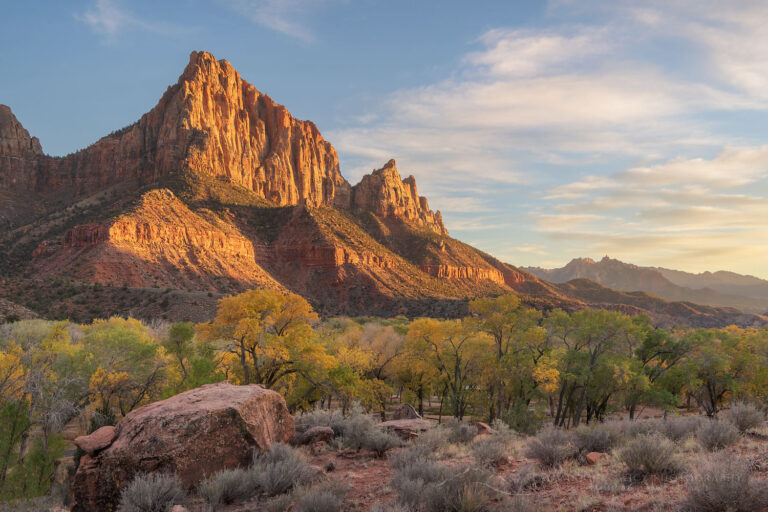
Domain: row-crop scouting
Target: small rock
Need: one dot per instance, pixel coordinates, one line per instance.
(405, 412)
(594, 457)
(314, 435)
(406, 429)
(179, 508)
(96, 440)
(483, 428)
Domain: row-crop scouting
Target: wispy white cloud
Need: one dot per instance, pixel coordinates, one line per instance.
(560, 109)
(109, 18)
(289, 17)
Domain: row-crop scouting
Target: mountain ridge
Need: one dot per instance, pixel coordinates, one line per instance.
(629, 277)
(218, 189)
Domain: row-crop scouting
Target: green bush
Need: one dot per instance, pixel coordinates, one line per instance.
(524, 420)
(152, 492)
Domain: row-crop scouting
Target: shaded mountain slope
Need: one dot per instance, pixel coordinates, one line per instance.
(627, 277)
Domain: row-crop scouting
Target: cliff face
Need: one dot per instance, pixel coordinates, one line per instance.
(211, 121)
(386, 195)
(19, 152)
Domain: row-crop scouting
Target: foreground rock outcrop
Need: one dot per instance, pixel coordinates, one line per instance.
(192, 434)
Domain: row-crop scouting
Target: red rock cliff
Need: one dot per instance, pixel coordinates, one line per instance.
(211, 121)
(388, 196)
(19, 152)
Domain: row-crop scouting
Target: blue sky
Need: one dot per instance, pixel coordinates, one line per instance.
(542, 130)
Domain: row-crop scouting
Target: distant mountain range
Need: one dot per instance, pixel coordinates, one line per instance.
(720, 289)
(219, 189)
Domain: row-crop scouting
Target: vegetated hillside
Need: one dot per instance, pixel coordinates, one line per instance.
(734, 291)
(218, 189)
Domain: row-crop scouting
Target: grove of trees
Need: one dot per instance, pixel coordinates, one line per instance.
(503, 361)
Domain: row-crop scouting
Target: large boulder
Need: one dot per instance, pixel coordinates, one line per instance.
(193, 435)
(405, 412)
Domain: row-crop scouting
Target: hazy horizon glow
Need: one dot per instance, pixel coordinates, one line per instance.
(543, 131)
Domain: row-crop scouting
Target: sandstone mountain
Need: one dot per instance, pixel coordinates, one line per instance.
(218, 189)
(720, 289)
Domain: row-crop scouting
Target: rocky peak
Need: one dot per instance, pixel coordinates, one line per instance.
(386, 195)
(211, 121)
(17, 149)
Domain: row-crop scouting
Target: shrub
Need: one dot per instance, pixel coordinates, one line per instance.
(152, 492)
(490, 450)
(321, 498)
(650, 455)
(380, 442)
(460, 431)
(551, 447)
(355, 428)
(597, 438)
(461, 490)
(281, 469)
(745, 416)
(321, 418)
(715, 435)
(636, 428)
(725, 483)
(524, 420)
(228, 486)
(680, 428)
(279, 503)
(527, 478)
(432, 440)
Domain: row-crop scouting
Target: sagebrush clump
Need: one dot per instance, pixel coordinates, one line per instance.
(281, 469)
(725, 483)
(598, 438)
(228, 486)
(380, 442)
(745, 416)
(551, 447)
(650, 455)
(490, 450)
(460, 431)
(680, 428)
(717, 434)
(424, 484)
(327, 497)
(152, 492)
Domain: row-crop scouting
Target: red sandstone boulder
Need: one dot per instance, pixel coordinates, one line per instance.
(483, 428)
(405, 412)
(314, 435)
(193, 434)
(97, 440)
(594, 457)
